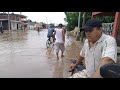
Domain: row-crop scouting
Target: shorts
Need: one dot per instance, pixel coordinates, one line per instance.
(59, 46)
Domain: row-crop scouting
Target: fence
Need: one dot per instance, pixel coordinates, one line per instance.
(107, 28)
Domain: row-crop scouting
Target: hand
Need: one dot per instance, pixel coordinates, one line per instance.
(72, 67)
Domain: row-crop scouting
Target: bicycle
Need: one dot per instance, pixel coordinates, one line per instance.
(50, 42)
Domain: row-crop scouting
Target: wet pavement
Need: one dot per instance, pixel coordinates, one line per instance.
(23, 54)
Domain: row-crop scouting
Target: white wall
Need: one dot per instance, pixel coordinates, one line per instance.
(13, 26)
(31, 27)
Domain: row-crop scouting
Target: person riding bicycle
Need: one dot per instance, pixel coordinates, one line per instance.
(51, 32)
(99, 49)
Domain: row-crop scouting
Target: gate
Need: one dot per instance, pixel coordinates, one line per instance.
(107, 28)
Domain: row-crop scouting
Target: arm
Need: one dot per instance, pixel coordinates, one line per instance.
(63, 35)
(79, 61)
(80, 58)
(54, 33)
(104, 61)
(109, 55)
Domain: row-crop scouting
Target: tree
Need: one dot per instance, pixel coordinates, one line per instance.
(72, 19)
(105, 19)
(44, 25)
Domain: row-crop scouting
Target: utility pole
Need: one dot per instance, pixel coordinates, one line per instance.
(78, 35)
(83, 23)
(8, 21)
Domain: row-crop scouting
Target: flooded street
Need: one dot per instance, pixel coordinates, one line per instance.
(23, 54)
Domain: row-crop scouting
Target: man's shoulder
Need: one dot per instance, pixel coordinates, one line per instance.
(86, 41)
(108, 38)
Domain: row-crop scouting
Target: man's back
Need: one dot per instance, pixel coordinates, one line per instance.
(59, 35)
(50, 32)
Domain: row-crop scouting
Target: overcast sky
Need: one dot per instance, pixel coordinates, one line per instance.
(47, 17)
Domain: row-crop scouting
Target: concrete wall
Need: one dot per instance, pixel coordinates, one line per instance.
(15, 26)
(31, 27)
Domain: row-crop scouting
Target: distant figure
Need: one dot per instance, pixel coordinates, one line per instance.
(38, 29)
(1, 29)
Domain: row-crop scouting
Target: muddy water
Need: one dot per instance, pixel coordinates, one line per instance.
(23, 54)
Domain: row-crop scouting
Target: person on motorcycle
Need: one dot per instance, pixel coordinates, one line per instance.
(99, 49)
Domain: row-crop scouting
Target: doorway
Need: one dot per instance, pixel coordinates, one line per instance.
(17, 27)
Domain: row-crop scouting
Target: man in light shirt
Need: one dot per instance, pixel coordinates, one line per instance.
(99, 49)
(60, 40)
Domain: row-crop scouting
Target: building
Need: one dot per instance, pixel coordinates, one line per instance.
(38, 25)
(31, 25)
(12, 21)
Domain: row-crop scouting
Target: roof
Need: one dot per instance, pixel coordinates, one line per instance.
(22, 16)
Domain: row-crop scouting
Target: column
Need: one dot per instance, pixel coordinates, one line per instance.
(116, 24)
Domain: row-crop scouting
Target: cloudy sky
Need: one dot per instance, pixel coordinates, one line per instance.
(47, 17)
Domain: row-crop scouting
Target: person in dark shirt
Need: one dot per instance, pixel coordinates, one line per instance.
(51, 32)
(1, 29)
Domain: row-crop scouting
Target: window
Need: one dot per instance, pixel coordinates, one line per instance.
(17, 18)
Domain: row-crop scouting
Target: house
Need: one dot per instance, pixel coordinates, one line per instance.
(12, 21)
(31, 24)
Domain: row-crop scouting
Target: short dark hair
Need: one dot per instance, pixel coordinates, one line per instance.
(60, 25)
(51, 26)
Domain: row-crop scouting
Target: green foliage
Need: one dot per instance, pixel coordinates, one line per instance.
(105, 19)
(72, 19)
